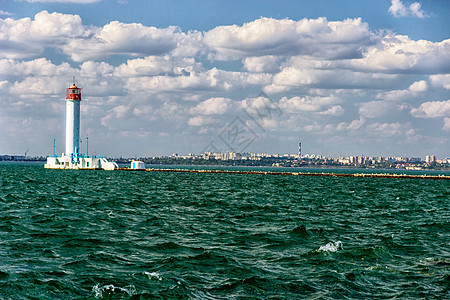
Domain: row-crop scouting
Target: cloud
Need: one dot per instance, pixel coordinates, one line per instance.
(376, 109)
(113, 116)
(198, 121)
(132, 39)
(398, 9)
(268, 63)
(261, 106)
(416, 10)
(400, 54)
(271, 37)
(92, 68)
(298, 104)
(293, 77)
(432, 109)
(413, 91)
(264, 45)
(441, 81)
(35, 67)
(34, 88)
(5, 13)
(56, 25)
(386, 130)
(28, 38)
(335, 110)
(320, 105)
(352, 126)
(418, 86)
(446, 124)
(159, 65)
(207, 80)
(213, 106)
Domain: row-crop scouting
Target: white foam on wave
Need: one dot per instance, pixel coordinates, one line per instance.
(153, 275)
(331, 247)
(109, 289)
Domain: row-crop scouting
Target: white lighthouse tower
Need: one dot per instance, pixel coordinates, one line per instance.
(73, 100)
(73, 158)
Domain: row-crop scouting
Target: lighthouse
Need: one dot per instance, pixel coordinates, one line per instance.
(73, 158)
(73, 100)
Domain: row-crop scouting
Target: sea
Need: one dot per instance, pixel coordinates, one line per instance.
(71, 234)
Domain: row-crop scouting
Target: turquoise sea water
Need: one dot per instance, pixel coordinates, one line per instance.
(67, 234)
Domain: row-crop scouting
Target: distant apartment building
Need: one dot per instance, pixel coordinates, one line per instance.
(353, 159)
(430, 159)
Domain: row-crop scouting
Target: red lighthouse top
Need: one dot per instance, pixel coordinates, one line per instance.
(73, 92)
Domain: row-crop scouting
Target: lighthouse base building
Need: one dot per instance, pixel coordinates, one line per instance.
(82, 163)
(73, 159)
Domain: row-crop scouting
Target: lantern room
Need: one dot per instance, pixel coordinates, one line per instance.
(73, 93)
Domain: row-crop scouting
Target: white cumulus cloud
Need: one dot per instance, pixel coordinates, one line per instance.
(27, 38)
(35, 67)
(432, 109)
(335, 110)
(292, 77)
(321, 105)
(398, 9)
(413, 91)
(5, 13)
(399, 53)
(158, 65)
(314, 37)
(200, 121)
(118, 38)
(268, 63)
(213, 106)
(390, 129)
(441, 81)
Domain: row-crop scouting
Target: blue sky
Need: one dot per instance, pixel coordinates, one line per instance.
(158, 77)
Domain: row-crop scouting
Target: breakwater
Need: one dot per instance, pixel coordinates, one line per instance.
(322, 174)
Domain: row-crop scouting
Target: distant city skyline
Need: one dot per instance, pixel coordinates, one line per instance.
(230, 155)
(351, 158)
(345, 78)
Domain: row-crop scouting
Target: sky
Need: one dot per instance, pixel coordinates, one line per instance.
(343, 77)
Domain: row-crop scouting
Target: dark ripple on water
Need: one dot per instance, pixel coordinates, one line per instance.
(120, 235)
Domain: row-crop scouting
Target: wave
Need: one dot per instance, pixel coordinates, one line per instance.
(331, 247)
(109, 290)
(152, 275)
